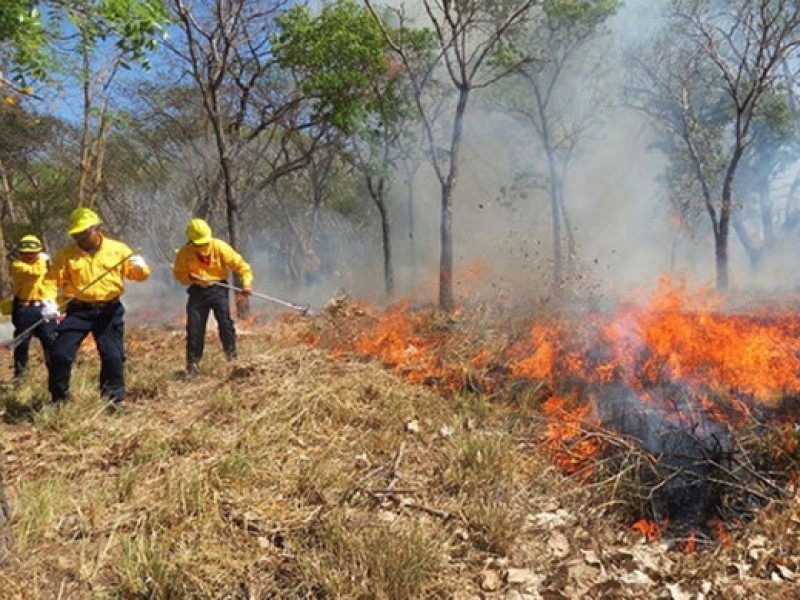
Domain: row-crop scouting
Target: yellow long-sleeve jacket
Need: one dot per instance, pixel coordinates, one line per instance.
(74, 270)
(209, 263)
(29, 280)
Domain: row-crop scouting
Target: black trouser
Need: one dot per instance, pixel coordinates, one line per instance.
(24, 317)
(201, 301)
(107, 326)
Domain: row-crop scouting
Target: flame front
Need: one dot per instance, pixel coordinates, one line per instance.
(687, 356)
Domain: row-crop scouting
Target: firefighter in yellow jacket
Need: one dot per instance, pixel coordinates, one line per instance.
(201, 263)
(31, 294)
(90, 273)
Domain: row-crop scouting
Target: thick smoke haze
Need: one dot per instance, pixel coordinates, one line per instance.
(615, 194)
(503, 245)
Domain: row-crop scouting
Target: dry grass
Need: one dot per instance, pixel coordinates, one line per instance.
(295, 474)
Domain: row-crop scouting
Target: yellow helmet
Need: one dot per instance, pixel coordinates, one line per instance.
(30, 243)
(82, 219)
(198, 232)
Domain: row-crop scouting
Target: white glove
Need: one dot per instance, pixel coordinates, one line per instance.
(45, 256)
(137, 260)
(50, 310)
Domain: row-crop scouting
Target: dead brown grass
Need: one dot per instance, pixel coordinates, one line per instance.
(297, 474)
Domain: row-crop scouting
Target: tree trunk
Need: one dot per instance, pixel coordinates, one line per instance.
(446, 299)
(232, 213)
(555, 210)
(721, 239)
(386, 232)
(553, 191)
(377, 190)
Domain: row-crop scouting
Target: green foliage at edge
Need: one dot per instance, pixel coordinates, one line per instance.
(27, 36)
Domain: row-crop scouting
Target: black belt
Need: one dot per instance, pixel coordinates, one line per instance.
(206, 285)
(19, 302)
(81, 305)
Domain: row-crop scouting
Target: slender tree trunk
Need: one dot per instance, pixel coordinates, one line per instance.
(378, 193)
(572, 251)
(446, 298)
(721, 256)
(85, 157)
(232, 214)
(231, 202)
(553, 191)
(555, 210)
(721, 240)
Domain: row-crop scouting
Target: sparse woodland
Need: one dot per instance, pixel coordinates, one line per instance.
(479, 404)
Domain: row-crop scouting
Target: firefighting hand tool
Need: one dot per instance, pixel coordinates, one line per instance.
(302, 309)
(60, 308)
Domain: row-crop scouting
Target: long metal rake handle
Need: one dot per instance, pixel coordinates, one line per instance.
(302, 309)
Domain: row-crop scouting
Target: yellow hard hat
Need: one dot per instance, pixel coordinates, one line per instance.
(30, 243)
(198, 232)
(81, 219)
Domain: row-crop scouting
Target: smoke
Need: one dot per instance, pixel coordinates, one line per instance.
(619, 215)
(622, 220)
(503, 241)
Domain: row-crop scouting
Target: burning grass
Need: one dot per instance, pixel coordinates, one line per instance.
(315, 472)
(675, 407)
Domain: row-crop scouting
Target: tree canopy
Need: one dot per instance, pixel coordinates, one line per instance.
(30, 31)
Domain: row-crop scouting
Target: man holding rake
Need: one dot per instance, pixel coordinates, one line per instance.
(91, 274)
(202, 263)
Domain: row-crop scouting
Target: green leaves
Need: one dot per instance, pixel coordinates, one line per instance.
(337, 58)
(581, 11)
(135, 23)
(28, 39)
(21, 37)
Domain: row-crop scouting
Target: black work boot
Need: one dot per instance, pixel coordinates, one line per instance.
(191, 370)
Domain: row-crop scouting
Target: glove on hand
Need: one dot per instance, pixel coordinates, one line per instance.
(50, 310)
(137, 260)
(45, 256)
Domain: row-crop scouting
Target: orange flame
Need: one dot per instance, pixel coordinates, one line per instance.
(727, 364)
(651, 530)
(691, 544)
